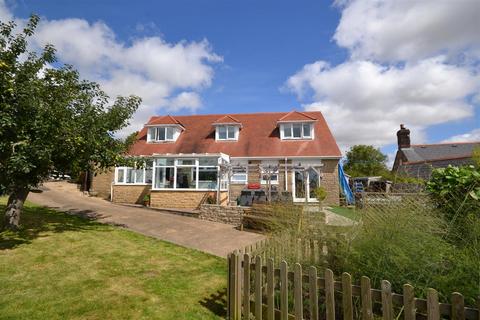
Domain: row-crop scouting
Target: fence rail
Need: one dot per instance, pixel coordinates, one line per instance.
(264, 291)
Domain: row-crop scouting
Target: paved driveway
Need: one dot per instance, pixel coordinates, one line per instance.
(215, 238)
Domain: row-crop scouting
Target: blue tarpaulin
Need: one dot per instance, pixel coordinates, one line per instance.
(344, 187)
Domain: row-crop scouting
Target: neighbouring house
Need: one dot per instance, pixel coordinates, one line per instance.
(192, 157)
(418, 160)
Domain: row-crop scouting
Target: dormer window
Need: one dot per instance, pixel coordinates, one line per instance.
(227, 132)
(163, 134)
(300, 130)
(227, 128)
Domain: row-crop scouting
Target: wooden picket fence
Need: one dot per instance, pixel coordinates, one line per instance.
(259, 291)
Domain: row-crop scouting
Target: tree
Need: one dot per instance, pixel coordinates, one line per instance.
(363, 160)
(50, 119)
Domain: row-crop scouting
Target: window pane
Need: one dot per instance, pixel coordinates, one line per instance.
(139, 176)
(120, 175)
(165, 162)
(231, 132)
(306, 130)
(160, 133)
(169, 133)
(222, 132)
(186, 162)
(287, 131)
(130, 175)
(148, 175)
(207, 178)
(186, 178)
(208, 161)
(297, 130)
(164, 177)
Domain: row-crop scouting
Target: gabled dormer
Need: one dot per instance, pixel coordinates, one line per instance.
(227, 128)
(163, 129)
(297, 126)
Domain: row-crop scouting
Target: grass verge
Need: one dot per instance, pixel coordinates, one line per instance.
(60, 266)
(346, 212)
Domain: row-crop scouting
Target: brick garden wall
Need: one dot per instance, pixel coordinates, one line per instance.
(132, 194)
(223, 214)
(101, 184)
(181, 199)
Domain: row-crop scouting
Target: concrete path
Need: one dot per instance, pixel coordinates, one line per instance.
(211, 237)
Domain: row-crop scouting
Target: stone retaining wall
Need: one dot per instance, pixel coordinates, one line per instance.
(223, 214)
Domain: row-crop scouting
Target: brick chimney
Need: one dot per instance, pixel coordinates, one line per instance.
(403, 137)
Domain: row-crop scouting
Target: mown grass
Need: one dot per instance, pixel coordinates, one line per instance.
(350, 213)
(60, 266)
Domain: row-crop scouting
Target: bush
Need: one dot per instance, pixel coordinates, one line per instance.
(456, 192)
(403, 244)
(320, 193)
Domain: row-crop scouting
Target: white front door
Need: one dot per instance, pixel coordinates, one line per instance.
(304, 183)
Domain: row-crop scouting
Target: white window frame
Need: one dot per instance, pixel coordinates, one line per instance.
(242, 181)
(125, 170)
(196, 165)
(227, 127)
(153, 133)
(272, 163)
(289, 128)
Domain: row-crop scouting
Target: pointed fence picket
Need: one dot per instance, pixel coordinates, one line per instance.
(288, 293)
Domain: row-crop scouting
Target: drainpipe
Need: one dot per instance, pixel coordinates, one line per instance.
(111, 191)
(286, 175)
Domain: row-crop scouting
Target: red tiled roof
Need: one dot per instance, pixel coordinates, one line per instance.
(259, 137)
(163, 120)
(226, 119)
(296, 116)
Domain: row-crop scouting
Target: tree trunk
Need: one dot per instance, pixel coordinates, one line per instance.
(14, 207)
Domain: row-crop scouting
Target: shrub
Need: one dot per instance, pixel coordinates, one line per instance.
(320, 193)
(456, 192)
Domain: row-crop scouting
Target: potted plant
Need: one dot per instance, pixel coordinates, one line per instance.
(146, 200)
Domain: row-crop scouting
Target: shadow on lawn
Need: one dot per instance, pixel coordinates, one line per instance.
(217, 303)
(35, 221)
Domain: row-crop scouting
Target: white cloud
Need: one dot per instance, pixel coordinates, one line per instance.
(365, 102)
(408, 30)
(190, 100)
(473, 135)
(148, 67)
(5, 14)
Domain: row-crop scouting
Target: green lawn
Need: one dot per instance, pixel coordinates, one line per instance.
(346, 212)
(65, 267)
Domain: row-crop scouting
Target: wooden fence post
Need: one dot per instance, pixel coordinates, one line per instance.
(433, 308)
(409, 308)
(246, 286)
(237, 313)
(297, 290)
(366, 292)
(283, 290)
(387, 304)
(458, 306)
(329, 294)
(229, 285)
(270, 290)
(258, 287)
(313, 292)
(347, 303)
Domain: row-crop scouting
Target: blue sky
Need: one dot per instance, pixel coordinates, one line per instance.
(256, 56)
